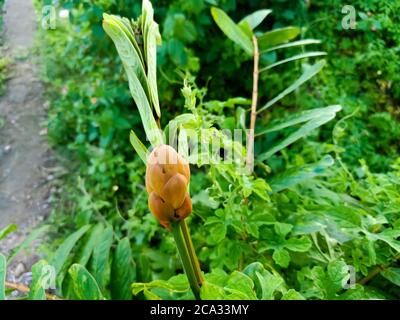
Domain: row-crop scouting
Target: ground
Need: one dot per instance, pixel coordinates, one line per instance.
(25, 157)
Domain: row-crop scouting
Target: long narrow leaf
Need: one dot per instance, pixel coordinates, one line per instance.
(63, 251)
(231, 30)
(300, 174)
(139, 147)
(307, 75)
(32, 236)
(7, 230)
(123, 271)
(299, 117)
(137, 80)
(293, 44)
(294, 58)
(300, 133)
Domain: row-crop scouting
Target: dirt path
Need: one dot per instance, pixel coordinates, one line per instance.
(24, 154)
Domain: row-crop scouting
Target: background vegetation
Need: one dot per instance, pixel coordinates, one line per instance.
(334, 198)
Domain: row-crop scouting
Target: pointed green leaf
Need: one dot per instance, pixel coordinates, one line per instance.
(255, 18)
(392, 274)
(292, 44)
(299, 117)
(307, 75)
(139, 147)
(301, 174)
(7, 230)
(123, 271)
(90, 243)
(277, 36)
(100, 258)
(300, 133)
(231, 30)
(294, 58)
(36, 233)
(63, 251)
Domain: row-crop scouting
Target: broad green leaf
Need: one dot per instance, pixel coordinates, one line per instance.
(177, 283)
(282, 228)
(101, 253)
(307, 75)
(277, 36)
(231, 30)
(242, 283)
(292, 294)
(91, 240)
(302, 244)
(300, 117)
(300, 133)
(294, 58)
(291, 177)
(63, 251)
(269, 284)
(40, 280)
(84, 284)
(293, 44)
(139, 147)
(3, 271)
(281, 257)
(392, 274)
(210, 291)
(123, 271)
(7, 230)
(32, 236)
(255, 18)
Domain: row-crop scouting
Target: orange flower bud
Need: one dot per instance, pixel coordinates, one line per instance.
(167, 178)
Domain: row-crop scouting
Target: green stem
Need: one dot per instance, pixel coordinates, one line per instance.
(185, 257)
(192, 252)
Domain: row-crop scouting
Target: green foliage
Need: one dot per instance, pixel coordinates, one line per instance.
(327, 200)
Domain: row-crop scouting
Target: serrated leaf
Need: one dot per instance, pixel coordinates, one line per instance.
(210, 291)
(281, 257)
(231, 30)
(242, 283)
(307, 75)
(123, 271)
(292, 294)
(302, 244)
(84, 284)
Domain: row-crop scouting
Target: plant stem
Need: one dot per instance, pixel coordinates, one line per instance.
(24, 289)
(192, 252)
(250, 147)
(185, 257)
